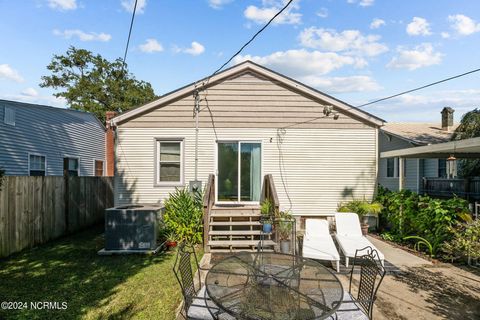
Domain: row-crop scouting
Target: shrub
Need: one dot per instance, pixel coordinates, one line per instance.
(360, 207)
(465, 244)
(183, 215)
(408, 214)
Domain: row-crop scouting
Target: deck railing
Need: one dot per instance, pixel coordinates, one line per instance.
(444, 188)
(208, 202)
(269, 192)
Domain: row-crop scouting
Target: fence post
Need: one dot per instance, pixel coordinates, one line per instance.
(65, 201)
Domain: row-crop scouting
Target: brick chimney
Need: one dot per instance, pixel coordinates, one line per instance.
(110, 144)
(447, 118)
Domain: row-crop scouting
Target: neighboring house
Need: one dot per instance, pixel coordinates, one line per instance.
(40, 140)
(253, 122)
(394, 136)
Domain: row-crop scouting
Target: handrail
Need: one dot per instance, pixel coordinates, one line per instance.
(208, 201)
(269, 191)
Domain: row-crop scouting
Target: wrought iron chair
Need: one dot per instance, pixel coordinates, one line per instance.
(371, 275)
(197, 304)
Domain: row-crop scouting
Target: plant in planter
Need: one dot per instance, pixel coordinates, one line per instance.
(363, 208)
(171, 239)
(284, 229)
(266, 209)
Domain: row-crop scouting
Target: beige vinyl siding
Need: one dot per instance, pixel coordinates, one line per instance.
(242, 102)
(321, 166)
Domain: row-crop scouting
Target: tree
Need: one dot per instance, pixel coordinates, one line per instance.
(469, 128)
(91, 83)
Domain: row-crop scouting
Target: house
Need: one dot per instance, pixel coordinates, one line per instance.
(37, 140)
(252, 122)
(395, 136)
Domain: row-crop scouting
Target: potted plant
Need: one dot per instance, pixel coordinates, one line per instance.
(171, 239)
(266, 209)
(364, 209)
(284, 229)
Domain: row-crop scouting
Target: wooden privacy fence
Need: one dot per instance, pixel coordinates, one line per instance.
(34, 210)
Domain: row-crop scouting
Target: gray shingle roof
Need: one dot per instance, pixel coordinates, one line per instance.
(419, 133)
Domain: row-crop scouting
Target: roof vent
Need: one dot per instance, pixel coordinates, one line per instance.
(447, 118)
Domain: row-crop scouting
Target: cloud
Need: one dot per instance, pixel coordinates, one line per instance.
(195, 49)
(150, 46)
(8, 73)
(129, 5)
(322, 13)
(445, 35)
(362, 3)
(423, 55)
(377, 23)
(63, 5)
(37, 99)
(83, 36)
(463, 25)
(269, 9)
(349, 41)
(30, 92)
(342, 84)
(218, 4)
(292, 62)
(419, 27)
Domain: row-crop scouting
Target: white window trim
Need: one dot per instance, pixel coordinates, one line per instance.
(156, 167)
(95, 170)
(73, 157)
(38, 155)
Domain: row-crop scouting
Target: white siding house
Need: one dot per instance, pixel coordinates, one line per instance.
(252, 122)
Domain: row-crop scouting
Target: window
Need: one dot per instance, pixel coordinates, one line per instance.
(390, 167)
(36, 165)
(98, 168)
(9, 116)
(169, 157)
(70, 167)
(442, 168)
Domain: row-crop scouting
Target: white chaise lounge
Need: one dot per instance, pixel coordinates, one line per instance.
(349, 236)
(317, 242)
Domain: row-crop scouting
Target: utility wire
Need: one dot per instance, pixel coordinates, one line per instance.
(418, 88)
(129, 33)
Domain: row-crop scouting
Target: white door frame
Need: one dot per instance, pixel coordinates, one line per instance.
(239, 142)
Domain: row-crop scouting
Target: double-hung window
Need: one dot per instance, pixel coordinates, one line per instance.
(71, 167)
(169, 162)
(37, 165)
(390, 167)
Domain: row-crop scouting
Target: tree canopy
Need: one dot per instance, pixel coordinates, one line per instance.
(469, 127)
(91, 83)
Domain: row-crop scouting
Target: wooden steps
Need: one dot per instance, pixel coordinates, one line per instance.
(233, 229)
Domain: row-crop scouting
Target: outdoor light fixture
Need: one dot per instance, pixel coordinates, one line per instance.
(451, 165)
(327, 110)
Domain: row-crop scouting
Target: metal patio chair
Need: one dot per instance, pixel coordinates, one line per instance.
(197, 305)
(371, 275)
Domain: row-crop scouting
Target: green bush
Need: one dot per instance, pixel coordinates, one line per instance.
(465, 244)
(406, 213)
(183, 215)
(360, 207)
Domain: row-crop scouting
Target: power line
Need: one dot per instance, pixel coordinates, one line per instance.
(252, 38)
(129, 33)
(418, 88)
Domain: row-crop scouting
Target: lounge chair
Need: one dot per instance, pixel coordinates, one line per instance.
(317, 242)
(349, 236)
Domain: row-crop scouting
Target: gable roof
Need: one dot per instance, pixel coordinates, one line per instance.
(60, 114)
(249, 66)
(419, 133)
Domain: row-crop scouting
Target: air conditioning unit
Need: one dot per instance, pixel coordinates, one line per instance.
(132, 228)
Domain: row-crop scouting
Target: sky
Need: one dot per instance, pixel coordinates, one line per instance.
(354, 50)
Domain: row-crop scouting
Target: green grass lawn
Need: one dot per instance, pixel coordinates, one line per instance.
(94, 287)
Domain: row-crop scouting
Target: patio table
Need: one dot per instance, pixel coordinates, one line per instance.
(269, 285)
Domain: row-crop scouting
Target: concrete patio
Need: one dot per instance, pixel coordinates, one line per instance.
(415, 288)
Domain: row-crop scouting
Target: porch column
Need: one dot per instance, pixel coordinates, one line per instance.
(401, 174)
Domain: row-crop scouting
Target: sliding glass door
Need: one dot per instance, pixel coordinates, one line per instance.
(239, 171)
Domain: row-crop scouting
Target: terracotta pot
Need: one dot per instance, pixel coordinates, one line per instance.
(364, 227)
(171, 244)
